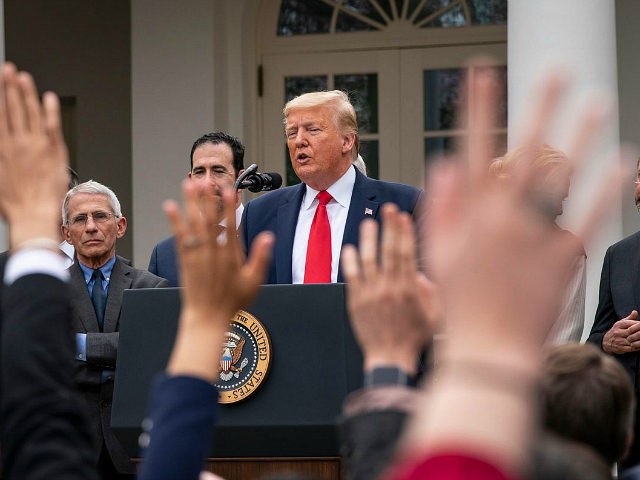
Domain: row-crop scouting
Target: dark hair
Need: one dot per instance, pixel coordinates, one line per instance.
(216, 138)
(555, 458)
(73, 177)
(588, 397)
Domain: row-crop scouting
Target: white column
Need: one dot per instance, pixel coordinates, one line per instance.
(578, 36)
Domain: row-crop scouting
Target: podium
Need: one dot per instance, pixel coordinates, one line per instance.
(290, 421)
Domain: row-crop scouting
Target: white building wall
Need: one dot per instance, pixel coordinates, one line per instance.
(172, 104)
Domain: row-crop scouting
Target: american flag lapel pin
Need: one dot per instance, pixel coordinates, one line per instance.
(368, 211)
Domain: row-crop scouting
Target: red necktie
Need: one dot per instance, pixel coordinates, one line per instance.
(318, 266)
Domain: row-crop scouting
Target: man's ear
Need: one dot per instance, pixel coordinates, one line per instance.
(122, 227)
(65, 233)
(348, 141)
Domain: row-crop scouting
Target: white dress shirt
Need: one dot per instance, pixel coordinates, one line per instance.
(69, 252)
(222, 237)
(337, 210)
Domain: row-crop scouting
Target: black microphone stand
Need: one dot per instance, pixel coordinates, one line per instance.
(250, 169)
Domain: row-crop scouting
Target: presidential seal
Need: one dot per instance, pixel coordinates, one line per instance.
(244, 360)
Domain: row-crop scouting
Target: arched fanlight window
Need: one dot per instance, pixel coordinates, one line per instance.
(302, 17)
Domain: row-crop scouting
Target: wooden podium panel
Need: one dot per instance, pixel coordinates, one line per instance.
(317, 468)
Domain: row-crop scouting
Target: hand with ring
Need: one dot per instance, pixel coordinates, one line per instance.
(216, 279)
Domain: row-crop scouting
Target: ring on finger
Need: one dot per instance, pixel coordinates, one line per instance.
(192, 241)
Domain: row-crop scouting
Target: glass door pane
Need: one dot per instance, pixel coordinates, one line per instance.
(430, 97)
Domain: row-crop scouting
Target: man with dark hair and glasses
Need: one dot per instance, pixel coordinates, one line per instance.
(616, 328)
(92, 222)
(216, 160)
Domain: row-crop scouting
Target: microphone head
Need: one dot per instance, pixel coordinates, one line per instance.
(261, 182)
(276, 180)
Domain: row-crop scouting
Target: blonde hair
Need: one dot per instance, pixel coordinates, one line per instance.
(544, 158)
(344, 113)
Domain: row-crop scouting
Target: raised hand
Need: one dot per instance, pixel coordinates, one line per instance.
(33, 159)
(217, 282)
(393, 307)
(502, 269)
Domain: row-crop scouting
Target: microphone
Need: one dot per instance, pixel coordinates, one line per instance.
(261, 182)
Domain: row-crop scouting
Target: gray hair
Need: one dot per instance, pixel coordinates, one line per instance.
(360, 165)
(344, 113)
(93, 188)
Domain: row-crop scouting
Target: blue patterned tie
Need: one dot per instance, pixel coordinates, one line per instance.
(97, 297)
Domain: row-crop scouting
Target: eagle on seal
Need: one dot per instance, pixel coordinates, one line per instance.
(231, 353)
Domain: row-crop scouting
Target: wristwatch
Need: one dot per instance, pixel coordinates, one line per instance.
(388, 376)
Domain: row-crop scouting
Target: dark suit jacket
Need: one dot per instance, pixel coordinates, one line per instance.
(45, 431)
(4, 256)
(183, 412)
(3, 261)
(102, 348)
(163, 261)
(277, 212)
(619, 294)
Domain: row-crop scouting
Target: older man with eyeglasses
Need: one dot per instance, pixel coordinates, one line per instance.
(92, 222)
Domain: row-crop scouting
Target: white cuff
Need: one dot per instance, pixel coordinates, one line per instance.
(31, 261)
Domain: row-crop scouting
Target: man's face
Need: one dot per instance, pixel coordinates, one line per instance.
(95, 238)
(319, 153)
(213, 171)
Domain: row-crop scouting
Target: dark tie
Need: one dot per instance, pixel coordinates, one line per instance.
(97, 297)
(318, 265)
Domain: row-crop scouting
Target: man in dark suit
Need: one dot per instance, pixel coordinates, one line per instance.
(323, 212)
(37, 364)
(92, 222)
(616, 328)
(217, 159)
(44, 432)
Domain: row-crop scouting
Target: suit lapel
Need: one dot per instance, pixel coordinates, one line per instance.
(84, 314)
(363, 205)
(287, 219)
(120, 280)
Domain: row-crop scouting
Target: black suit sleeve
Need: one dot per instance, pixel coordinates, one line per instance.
(44, 431)
(368, 442)
(102, 349)
(605, 313)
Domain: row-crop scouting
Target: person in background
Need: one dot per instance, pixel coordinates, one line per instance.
(92, 223)
(616, 329)
(216, 160)
(552, 182)
(313, 220)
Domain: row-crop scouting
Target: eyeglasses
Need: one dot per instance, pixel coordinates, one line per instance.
(98, 217)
